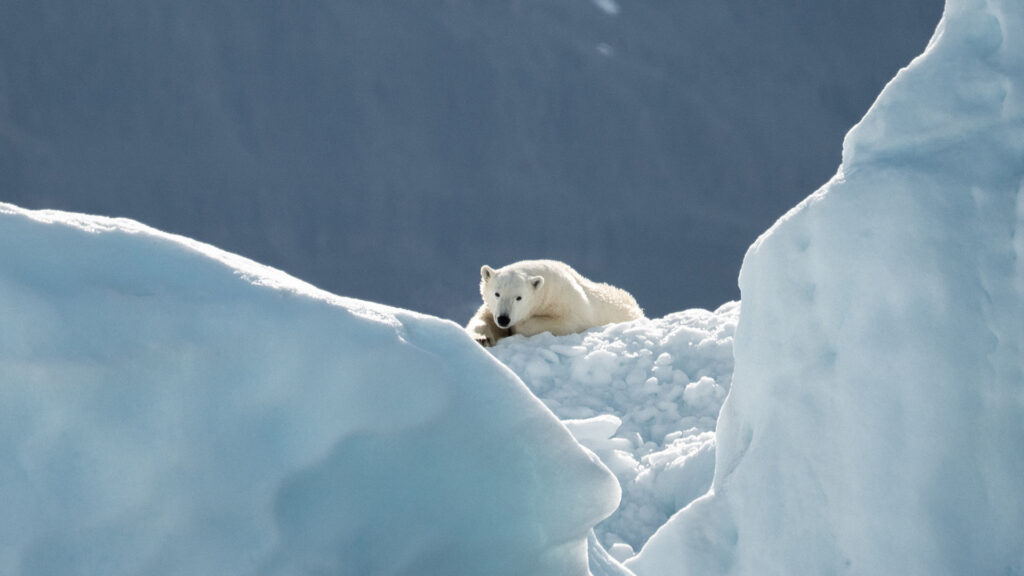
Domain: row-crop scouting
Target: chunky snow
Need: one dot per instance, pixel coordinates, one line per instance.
(875, 423)
(164, 397)
(168, 408)
(644, 396)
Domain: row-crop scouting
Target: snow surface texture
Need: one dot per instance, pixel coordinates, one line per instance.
(876, 419)
(168, 408)
(644, 396)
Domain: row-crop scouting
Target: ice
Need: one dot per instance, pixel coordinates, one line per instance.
(875, 423)
(169, 408)
(624, 391)
(704, 393)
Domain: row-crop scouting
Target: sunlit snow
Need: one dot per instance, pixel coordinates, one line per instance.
(170, 408)
(875, 423)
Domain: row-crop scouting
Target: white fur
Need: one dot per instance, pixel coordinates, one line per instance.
(537, 296)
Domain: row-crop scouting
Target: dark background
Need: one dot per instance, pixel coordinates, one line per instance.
(386, 150)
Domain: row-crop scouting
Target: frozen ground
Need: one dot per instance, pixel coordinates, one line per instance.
(169, 408)
(644, 396)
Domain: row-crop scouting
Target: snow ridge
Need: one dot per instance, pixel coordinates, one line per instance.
(875, 423)
(169, 408)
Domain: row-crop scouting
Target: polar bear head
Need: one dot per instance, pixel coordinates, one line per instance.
(509, 294)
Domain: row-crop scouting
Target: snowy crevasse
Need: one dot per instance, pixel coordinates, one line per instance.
(169, 408)
(875, 423)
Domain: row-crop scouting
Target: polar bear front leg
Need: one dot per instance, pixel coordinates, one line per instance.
(541, 324)
(483, 329)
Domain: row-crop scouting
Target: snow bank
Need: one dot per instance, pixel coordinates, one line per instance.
(168, 408)
(644, 396)
(876, 419)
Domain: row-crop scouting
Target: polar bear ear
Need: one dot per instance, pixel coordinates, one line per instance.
(486, 272)
(536, 281)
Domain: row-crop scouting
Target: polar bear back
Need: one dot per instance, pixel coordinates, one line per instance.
(561, 302)
(611, 304)
(581, 302)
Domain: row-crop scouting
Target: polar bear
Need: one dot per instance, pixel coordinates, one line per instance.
(535, 296)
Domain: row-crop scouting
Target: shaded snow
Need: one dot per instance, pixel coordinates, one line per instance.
(169, 408)
(876, 419)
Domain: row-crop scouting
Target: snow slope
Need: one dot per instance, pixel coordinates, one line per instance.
(169, 408)
(875, 423)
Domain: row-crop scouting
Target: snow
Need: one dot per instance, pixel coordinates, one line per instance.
(643, 396)
(875, 423)
(169, 408)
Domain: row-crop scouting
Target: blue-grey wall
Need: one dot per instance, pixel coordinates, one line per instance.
(386, 150)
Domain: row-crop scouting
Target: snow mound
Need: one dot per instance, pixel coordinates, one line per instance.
(169, 408)
(644, 396)
(876, 419)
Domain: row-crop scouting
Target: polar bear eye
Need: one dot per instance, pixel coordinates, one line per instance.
(497, 294)
(518, 298)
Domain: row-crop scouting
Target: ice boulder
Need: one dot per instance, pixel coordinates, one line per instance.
(875, 423)
(168, 408)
